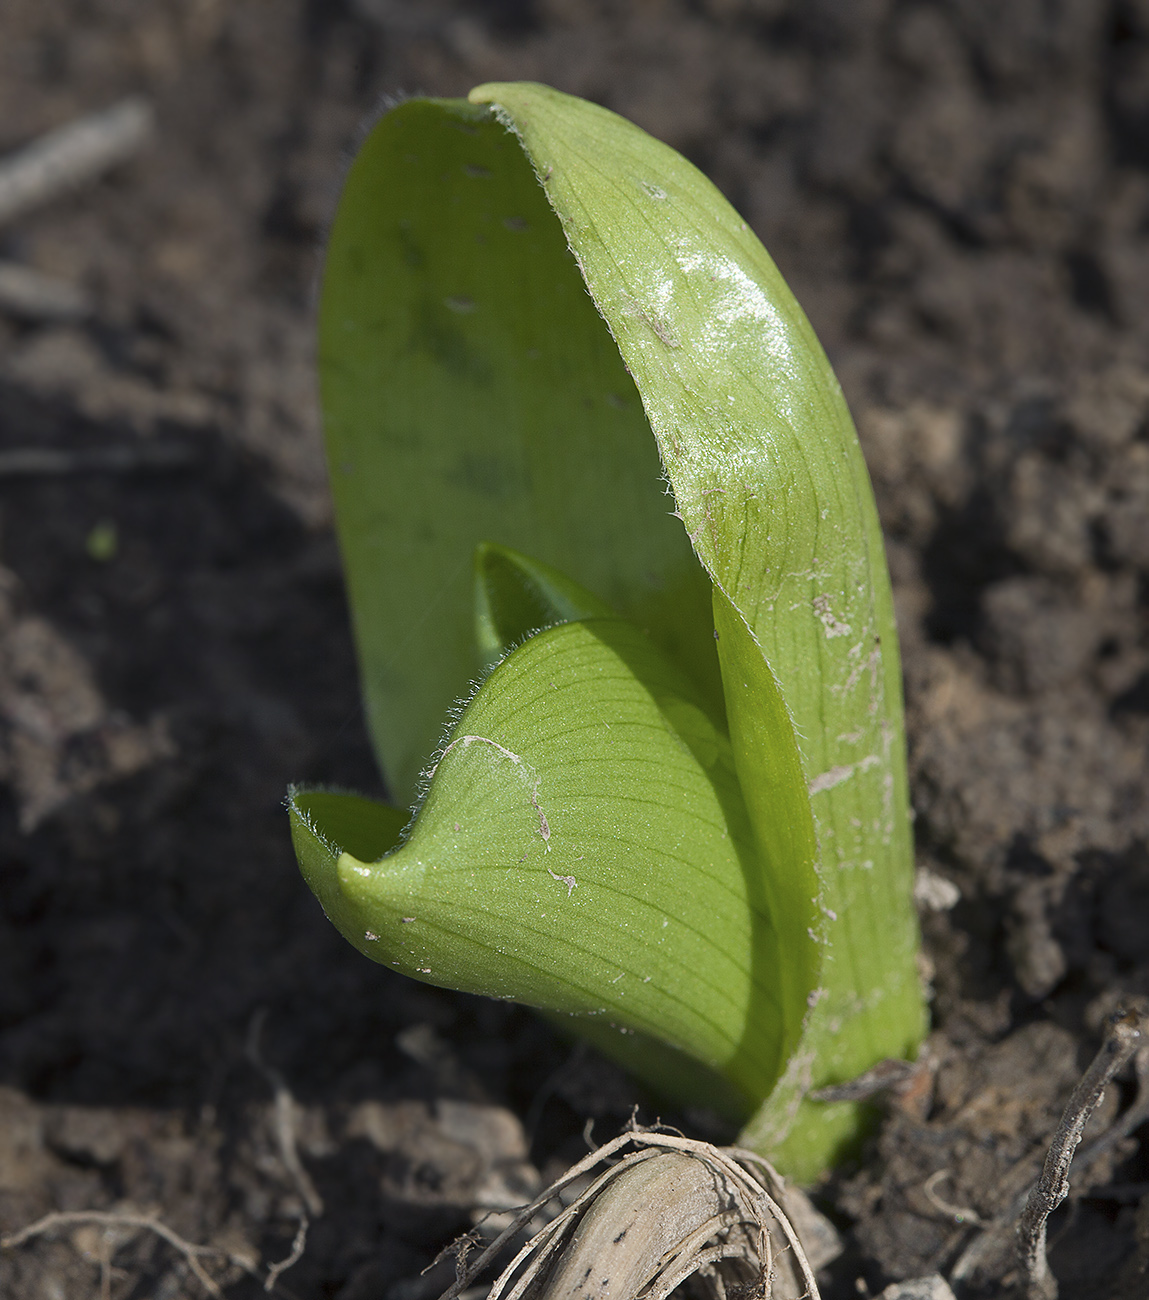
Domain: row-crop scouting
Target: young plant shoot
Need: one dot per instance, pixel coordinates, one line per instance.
(585, 448)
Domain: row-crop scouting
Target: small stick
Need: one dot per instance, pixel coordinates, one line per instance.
(959, 1213)
(1133, 1118)
(1121, 1043)
(298, 1246)
(32, 295)
(888, 1074)
(983, 1244)
(47, 462)
(71, 155)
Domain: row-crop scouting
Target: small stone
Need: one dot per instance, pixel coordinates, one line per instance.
(934, 1287)
(934, 893)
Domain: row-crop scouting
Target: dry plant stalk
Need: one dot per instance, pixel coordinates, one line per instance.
(996, 1246)
(669, 1209)
(1126, 1035)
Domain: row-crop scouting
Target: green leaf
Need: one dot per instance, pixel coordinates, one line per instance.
(326, 822)
(520, 292)
(583, 848)
(471, 393)
(516, 596)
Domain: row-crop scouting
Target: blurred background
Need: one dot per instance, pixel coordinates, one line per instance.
(958, 193)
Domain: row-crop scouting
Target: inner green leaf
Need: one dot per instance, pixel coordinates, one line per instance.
(583, 848)
(516, 596)
(471, 391)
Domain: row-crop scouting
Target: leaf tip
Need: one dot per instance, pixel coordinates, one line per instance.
(489, 91)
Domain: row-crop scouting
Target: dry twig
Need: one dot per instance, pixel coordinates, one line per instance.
(1122, 1042)
(71, 155)
(887, 1075)
(1134, 1117)
(298, 1246)
(32, 295)
(993, 1242)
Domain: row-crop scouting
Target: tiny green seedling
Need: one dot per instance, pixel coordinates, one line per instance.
(585, 448)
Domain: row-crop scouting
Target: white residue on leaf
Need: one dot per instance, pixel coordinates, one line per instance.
(827, 780)
(544, 825)
(843, 772)
(529, 775)
(570, 882)
(834, 626)
(871, 664)
(653, 312)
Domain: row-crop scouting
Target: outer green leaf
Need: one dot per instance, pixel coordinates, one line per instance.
(583, 848)
(771, 487)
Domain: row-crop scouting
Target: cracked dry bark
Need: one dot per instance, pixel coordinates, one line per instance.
(670, 1209)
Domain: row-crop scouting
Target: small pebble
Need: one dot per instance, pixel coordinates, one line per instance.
(934, 1287)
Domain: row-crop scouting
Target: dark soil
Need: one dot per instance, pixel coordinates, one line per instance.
(959, 195)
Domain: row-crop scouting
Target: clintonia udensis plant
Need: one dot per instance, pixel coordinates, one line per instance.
(587, 452)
